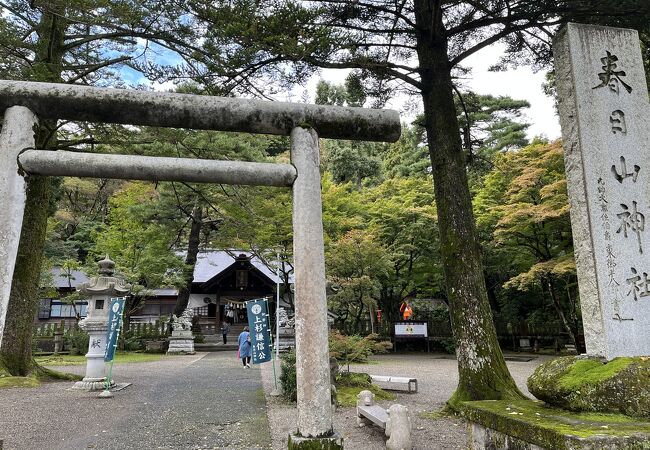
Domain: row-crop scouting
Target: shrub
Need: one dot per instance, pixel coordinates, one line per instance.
(288, 376)
(196, 326)
(76, 341)
(356, 348)
(134, 344)
(448, 345)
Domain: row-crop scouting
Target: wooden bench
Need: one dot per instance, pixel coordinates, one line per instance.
(395, 383)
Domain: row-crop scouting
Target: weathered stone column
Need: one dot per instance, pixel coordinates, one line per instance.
(17, 135)
(312, 348)
(605, 117)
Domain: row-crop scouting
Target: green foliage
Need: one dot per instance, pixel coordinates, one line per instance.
(134, 344)
(135, 240)
(351, 93)
(490, 124)
(355, 263)
(408, 157)
(523, 215)
(352, 161)
(76, 340)
(356, 349)
(288, 376)
(448, 345)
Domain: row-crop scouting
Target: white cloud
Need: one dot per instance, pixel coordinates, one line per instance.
(520, 84)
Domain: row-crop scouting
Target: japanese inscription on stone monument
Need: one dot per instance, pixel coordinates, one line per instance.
(604, 111)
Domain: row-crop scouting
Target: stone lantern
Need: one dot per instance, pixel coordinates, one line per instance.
(99, 291)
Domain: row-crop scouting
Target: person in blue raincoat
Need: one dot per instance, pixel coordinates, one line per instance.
(245, 352)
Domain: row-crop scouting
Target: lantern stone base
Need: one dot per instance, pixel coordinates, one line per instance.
(531, 425)
(333, 442)
(181, 344)
(92, 384)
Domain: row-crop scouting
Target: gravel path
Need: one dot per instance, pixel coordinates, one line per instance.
(437, 378)
(208, 401)
(180, 402)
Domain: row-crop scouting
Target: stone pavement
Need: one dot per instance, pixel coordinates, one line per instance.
(203, 401)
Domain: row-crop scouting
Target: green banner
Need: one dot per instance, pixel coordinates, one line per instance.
(114, 326)
(259, 324)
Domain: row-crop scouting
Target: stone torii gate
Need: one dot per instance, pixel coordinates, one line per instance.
(25, 102)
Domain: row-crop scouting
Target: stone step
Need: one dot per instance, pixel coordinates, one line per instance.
(214, 347)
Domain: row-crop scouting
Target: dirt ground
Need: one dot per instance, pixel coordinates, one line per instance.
(437, 377)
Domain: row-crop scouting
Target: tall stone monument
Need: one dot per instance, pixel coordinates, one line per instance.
(605, 116)
(99, 290)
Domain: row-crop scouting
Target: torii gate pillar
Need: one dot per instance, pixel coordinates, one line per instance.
(312, 349)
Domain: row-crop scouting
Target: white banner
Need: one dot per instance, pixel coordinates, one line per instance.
(411, 329)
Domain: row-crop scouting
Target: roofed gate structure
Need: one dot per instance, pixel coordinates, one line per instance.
(27, 102)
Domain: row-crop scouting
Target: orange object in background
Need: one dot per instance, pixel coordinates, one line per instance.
(406, 311)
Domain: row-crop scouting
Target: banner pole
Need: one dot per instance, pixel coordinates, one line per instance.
(277, 309)
(106, 393)
(275, 392)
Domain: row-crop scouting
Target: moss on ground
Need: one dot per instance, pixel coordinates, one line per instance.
(36, 375)
(347, 396)
(76, 360)
(549, 427)
(577, 383)
(45, 374)
(41, 373)
(349, 384)
(19, 382)
(299, 443)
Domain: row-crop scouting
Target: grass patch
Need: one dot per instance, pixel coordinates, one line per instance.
(36, 375)
(61, 360)
(76, 360)
(349, 384)
(19, 382)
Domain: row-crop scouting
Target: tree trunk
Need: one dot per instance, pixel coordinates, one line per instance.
(190, 260)
(357, 319)
(558, 308)
(16, 351)
(483, 374)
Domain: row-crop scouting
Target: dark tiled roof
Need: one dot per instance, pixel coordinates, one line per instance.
(212, 262)
(60, 278)
(209, 263)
